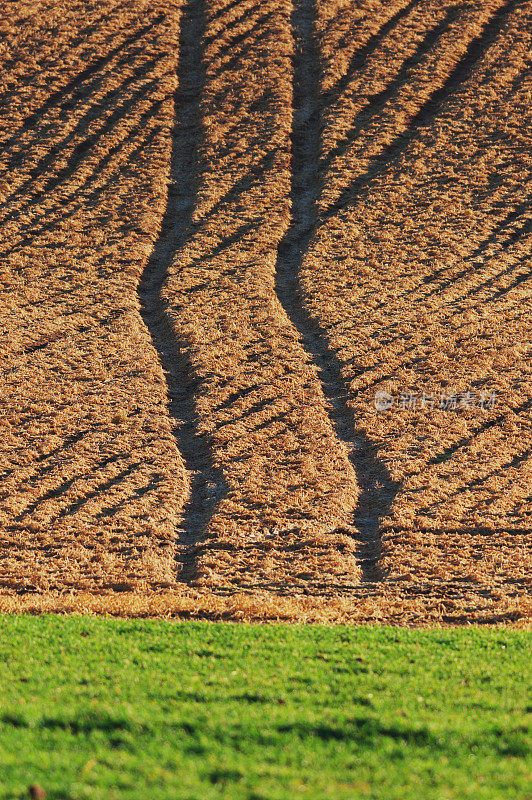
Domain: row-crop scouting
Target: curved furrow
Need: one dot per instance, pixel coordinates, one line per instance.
(376, 489)
(206, 482)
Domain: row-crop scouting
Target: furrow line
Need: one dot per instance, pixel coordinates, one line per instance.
(376, 489)
(205, 481)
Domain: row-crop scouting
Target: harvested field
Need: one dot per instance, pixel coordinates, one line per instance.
(266, 309)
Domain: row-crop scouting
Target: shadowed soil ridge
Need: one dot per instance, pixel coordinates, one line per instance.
(376, 489)
(206, 482)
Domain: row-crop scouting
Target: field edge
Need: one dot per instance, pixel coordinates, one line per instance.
(376, 608)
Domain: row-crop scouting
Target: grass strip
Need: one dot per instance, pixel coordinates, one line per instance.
(112, 708)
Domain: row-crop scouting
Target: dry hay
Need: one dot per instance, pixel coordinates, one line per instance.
(226, 225)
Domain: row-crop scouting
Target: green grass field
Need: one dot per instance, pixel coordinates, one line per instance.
(104, 708)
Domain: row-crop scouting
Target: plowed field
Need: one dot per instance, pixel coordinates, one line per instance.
(265, 294)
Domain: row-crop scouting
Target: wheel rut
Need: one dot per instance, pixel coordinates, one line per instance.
(206, 485)
(377, 490)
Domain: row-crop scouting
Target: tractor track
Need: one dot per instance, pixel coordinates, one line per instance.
(205, 481)
(376, 489)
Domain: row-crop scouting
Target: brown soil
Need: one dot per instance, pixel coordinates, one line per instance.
(226, 225)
